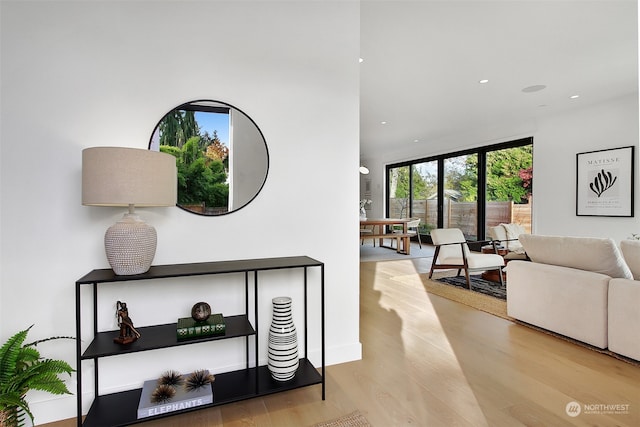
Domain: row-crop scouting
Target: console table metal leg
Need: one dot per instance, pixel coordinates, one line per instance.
(322, 328)
(257, 322)
(78, 360)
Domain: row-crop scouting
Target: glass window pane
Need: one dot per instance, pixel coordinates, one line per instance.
(398, 192)
(461, 194)
(509, 179)
(425, 195)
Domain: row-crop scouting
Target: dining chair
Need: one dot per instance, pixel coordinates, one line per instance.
(452, 252)
(365, 231)
(412, 230)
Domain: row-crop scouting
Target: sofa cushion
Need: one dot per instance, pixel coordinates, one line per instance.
(599, 255)
(631, 252)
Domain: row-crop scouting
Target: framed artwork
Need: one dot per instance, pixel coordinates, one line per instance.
(604, 184)
(367, 187)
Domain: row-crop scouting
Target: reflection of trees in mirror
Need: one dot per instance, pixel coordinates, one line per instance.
(221, 156)
(202, 181)
(202, 162)
(177, 127)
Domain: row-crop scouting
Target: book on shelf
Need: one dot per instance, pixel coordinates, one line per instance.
(189, 328)
(183, 399)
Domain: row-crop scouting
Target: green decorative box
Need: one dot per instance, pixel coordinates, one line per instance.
(188, 328)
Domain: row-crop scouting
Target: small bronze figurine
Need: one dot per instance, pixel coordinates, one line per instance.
(128, 333)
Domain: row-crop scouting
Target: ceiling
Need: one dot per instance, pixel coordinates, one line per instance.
(422, 62)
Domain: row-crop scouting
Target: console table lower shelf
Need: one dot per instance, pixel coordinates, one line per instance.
(121, 409)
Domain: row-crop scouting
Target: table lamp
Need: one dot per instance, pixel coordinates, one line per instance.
(118, 176)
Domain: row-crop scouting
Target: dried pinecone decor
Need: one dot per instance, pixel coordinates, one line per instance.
(198, 379)
(171, 378)
(163, 393)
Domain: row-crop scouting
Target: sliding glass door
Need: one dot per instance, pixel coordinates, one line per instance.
(424, 192)
(461, 194)
(509, 179)
(398, 191)
(471, 190)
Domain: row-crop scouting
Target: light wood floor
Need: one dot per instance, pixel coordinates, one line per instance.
(428, 361)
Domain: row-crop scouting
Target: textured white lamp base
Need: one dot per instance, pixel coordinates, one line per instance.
(130, 245)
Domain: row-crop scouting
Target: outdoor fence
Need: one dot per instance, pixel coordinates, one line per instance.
(463, 215)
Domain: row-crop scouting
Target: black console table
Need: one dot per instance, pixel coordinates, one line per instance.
(120, 409)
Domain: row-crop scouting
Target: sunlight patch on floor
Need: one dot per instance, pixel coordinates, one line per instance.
(430, 356)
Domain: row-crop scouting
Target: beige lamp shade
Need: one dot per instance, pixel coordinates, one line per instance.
(117, 176)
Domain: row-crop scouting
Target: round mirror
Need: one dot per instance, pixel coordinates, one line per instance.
(221, 156)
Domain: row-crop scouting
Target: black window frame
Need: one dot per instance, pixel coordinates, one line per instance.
(482, 178)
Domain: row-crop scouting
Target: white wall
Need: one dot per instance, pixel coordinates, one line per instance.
(555, 146)
(83, 74)
(248, 161)
(556, 140)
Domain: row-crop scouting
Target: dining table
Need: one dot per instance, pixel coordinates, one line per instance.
(381, 224)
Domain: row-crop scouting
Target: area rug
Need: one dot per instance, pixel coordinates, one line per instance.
(478, 284)
(369, 253)
(354, 419)
(477, 300)
(482, 302)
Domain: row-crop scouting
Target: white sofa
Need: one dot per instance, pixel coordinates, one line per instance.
(624, 305)
(566, 289)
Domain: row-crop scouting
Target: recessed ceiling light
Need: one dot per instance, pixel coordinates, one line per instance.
(574, 97)
(483, 81)
(534, 88)
(383, 123)
(416, 140)
(360, 60)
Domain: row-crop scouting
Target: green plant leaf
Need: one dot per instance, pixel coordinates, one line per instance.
(23, 369)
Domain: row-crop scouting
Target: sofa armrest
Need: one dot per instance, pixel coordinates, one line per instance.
(624, 317)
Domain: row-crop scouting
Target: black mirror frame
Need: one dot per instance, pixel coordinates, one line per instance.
(192, 105)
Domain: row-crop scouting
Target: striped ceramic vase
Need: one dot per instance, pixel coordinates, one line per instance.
(283, 341)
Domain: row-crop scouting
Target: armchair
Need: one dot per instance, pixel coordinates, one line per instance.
(506, 235)
(452, 252)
